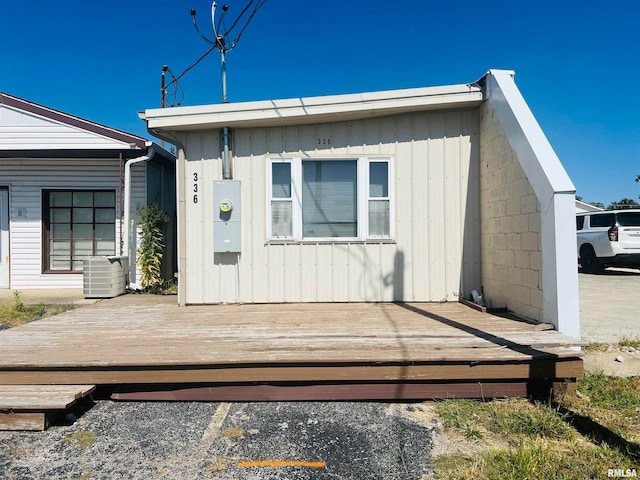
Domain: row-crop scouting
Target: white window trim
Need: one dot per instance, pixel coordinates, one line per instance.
(362, 200)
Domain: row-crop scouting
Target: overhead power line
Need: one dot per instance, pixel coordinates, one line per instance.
(220, 41)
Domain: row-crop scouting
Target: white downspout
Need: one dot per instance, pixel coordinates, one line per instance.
(127, 200)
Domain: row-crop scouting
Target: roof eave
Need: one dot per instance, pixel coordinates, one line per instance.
(299, 111)
(125, 138)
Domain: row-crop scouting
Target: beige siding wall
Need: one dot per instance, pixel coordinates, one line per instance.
(435, 255)
(511, 225)
(26, 178)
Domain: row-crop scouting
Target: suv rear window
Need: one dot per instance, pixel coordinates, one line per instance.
(606, 220)
(629, 219)
(579, 223)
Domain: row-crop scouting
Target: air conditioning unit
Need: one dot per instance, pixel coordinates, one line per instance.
(105, 277)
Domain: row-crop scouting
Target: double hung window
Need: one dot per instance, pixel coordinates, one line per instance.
(330, 199)
(77, 224)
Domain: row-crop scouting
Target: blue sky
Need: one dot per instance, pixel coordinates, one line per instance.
(576, 62)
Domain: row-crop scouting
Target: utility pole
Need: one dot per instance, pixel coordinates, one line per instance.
(222, 43)
(163, 93)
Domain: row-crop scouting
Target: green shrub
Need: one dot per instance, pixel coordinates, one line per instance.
(151, 248)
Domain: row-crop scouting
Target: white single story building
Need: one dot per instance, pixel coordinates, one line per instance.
(417, 195)
(68, 187)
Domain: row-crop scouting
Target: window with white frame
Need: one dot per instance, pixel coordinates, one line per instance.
(329, 199)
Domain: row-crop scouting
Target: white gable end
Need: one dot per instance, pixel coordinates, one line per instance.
(20, 130)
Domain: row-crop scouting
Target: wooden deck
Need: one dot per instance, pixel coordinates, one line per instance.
(30, 407)
(148, 344)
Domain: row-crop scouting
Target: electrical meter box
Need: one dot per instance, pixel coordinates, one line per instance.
(226, 216)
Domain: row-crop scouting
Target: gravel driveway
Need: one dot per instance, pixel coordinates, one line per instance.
(145, 440)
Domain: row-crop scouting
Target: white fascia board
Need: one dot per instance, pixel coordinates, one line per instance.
(539, 162)
(25, 147)
(560, 289)
(313, 109)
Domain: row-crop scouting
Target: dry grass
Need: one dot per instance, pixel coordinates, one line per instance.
(217, 465)
(516, 439)
(595, 347)
(17, 313)
(83, 439)
(515, 417)
(232, 432)
(613, 402)
(538, 459)
(630, 342)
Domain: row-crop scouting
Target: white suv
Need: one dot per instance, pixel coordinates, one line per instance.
(607, 239)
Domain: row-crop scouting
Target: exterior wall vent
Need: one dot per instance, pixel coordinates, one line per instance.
(105, 277)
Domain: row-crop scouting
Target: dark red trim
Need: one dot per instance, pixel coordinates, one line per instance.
(323, 392)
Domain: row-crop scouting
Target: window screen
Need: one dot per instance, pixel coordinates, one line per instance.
(281, 204)
(379, 199)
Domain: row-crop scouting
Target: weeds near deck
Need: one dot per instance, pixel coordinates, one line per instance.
(18, 313)
(534, 460)
(516, 439)
(611, 402)
(594, 347)
(83, 439)
(511, 417)
(630, 342)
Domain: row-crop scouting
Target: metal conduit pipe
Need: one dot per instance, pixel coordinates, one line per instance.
(226, 161)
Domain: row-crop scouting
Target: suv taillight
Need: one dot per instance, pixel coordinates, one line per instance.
(613, 234)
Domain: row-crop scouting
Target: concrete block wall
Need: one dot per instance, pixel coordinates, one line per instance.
(510, 225)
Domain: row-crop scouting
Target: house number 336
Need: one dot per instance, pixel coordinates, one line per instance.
(195, 188)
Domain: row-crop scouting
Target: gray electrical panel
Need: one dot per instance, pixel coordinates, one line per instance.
(226, 217)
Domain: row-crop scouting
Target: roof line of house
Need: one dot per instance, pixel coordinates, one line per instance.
(134, 142)
(313, 109)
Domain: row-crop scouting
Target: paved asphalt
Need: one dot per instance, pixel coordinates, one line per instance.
(610, 305)
(260, 441)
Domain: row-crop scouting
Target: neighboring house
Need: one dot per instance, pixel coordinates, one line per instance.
(67, 189)
(418, 195)
(586, 207)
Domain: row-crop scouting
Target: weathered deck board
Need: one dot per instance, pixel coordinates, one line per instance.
(27, 407)
(149, 339)
(41, 397)
(22, 421)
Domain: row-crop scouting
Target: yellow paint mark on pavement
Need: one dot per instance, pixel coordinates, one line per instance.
(281, 463)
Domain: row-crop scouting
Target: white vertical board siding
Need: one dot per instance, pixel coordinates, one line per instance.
(435, 255)
(26, 179)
